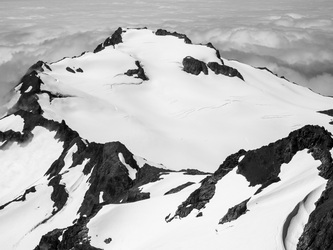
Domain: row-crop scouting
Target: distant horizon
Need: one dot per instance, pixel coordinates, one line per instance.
(291, 38)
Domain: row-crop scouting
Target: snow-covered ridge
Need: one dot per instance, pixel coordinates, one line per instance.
(119, 143)
(138, 91)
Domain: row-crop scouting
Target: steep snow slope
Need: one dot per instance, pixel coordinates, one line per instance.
(261, 228)
(151, 142)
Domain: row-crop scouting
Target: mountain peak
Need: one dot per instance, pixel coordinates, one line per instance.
(101, 148)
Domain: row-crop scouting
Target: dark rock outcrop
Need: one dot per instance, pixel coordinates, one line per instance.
(50, 241)
(107, 241)
(148, 174)
(318, 232)
(14, 136)
(108, 175)
(69, 69)
(194, 66)
(38, 67)
(235, 212)
(28, 102)
(263, 165)
(190, 171)
(139, 72)
(201, 196)
(328, 112)
(73, 237)
(162, 32)
(29, 90)
(79, 70)
(179, 188)
(218, 55)
(30, 83)
(224, 70)
(134, 194)
(114, 39)
(59, 195)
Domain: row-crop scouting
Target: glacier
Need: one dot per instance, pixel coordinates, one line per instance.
(153, 142)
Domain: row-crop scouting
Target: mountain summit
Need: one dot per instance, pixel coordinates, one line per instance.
(153, 142)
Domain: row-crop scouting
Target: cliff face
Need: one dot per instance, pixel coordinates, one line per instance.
(120, 148)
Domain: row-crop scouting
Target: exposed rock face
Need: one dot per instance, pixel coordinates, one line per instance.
(194, 66)
(107, 241)
(262, 166)
(148, 174)
(235, 212)
(59, 195)
(200, 197)
(224, 70)
(108, 175)
(50, 241)
(194, 172)
(30, 83)
(73, 237)
(139, 72)
(218, 55)
(327, 112)
(318, 232)
(29, 90)
(162, 32)
(114, 39)
(179, 188)
(38, 66)
(69, 69)
(28, 102)
(13, 136)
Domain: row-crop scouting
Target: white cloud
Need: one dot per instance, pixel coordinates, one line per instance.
(294, 39)
(16, 58)
(296, 46)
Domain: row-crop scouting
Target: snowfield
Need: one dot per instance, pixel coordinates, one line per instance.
(165, 112)
(159, 139)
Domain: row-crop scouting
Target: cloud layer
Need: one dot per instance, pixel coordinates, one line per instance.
(292, 38)
(292, 45)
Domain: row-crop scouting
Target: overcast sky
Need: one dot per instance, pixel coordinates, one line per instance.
(294, 38)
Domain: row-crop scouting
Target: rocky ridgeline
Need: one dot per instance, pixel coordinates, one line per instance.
(190, 64)
(107, 173)
(114, 39)
(262, 166)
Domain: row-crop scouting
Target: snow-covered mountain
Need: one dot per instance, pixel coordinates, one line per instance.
(152, 142)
